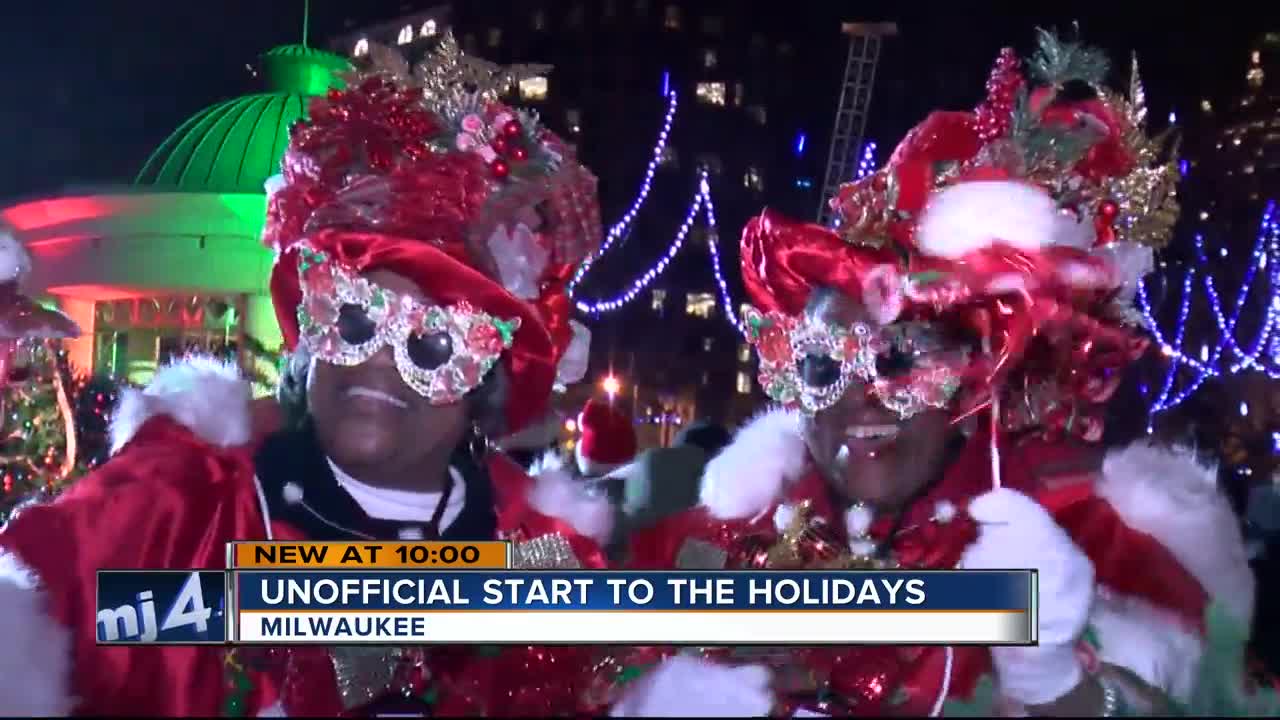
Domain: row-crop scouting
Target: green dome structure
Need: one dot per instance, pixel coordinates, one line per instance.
(235, 145)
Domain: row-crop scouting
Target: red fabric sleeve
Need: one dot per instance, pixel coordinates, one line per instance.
(167, 500)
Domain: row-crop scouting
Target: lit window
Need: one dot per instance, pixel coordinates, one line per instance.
(539, 20)
(406, 35)
(739, 92)
(534, 88)
(1248, 169)
(361, 49)
(701, 305)
(752, 180)
(669, 157)
(758, 113)
(573, 117)
(495, 37)
(1255, 57)
(706, 379)
(1236, 142)
(1206, 106)
(659, 298)
(1255, 77)
(711, 163)
(711, 93)
(707, 344)
(1204, 214)
(708, 59)
(744, 353)
(672, 19)
(744, 382)
(428, 29)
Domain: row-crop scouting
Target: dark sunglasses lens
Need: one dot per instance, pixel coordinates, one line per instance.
(819, 371)
(430, 351)
(355, 327)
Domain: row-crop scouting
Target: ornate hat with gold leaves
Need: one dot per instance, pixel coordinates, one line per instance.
(424, 172)
(1028, 222)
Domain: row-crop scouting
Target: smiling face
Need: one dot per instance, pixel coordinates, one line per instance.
(887, 435)
(369, 420)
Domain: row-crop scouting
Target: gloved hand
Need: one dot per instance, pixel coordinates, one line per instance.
(684, 686)
(1016, 532)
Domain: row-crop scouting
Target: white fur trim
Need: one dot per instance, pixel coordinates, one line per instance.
(748, 476)
(557, 494)
(35, 656)
(1168, 495)
(1151, 642)
(974, 215)
(207, 395)
(275, 709)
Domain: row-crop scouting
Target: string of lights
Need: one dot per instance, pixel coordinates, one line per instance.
(642, 282)
(620, 228)
(713, 242)
(866, 166)
(703, 202)
(1228, 355)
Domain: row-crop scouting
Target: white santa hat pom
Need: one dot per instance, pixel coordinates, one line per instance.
(974, 215)
(273, 184)
(15, 262)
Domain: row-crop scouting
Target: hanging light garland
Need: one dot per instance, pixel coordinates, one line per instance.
(622, 226)
(1228, 356)
(866, 166)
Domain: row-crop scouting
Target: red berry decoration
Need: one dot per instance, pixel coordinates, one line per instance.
(499, 145)
(513, 128)
(1108, 210)
(500, 168)
(519, 154)
(995, 113)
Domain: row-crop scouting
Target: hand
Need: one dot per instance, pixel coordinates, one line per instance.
(685, 686)
(1017, 532)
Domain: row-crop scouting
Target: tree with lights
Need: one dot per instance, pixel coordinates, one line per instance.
(55, 425)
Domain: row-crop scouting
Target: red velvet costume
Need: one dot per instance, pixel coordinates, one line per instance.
(425, 176)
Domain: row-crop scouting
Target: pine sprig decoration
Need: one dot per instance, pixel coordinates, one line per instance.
(1045, 148)
(1056, 63)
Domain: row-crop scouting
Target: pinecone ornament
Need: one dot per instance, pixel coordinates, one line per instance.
(996, 112)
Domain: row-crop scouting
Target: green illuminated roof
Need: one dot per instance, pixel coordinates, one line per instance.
(234, 146)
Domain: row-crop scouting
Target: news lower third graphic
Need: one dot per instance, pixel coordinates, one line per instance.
(162, 606)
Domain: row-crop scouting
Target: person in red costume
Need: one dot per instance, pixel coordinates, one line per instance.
(941, 361)
(424, 234)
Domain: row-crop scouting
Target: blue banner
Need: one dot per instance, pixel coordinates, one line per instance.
(161, 606)
(472, 590)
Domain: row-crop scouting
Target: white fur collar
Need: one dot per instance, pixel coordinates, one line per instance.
(212, 399)
(1162, 492)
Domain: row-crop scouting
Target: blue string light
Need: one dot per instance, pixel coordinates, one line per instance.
(1228, 355)
(867, 164)
(702, 201)
(620, 228)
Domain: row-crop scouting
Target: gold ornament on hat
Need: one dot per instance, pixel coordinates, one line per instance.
(1147, 197)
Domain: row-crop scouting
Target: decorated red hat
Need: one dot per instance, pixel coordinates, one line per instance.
(608, 438)
(424, 173)
(1026, 225)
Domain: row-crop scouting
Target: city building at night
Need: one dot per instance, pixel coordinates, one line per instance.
(663, 320)
(174, 260)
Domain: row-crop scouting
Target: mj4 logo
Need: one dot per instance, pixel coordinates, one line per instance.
(137, 622)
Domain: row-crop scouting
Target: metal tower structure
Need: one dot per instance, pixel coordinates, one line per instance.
(855, 101)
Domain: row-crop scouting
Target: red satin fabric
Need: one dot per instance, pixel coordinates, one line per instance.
(1129, 562)
(447, 280)
(168, 500)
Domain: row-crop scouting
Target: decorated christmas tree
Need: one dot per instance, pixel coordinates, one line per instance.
(54, 424)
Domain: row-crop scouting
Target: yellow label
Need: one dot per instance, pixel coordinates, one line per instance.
(435, 555)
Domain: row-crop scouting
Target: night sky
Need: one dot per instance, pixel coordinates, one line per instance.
(93, 86)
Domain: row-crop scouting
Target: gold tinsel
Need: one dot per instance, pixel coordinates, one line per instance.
(1147, 197)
